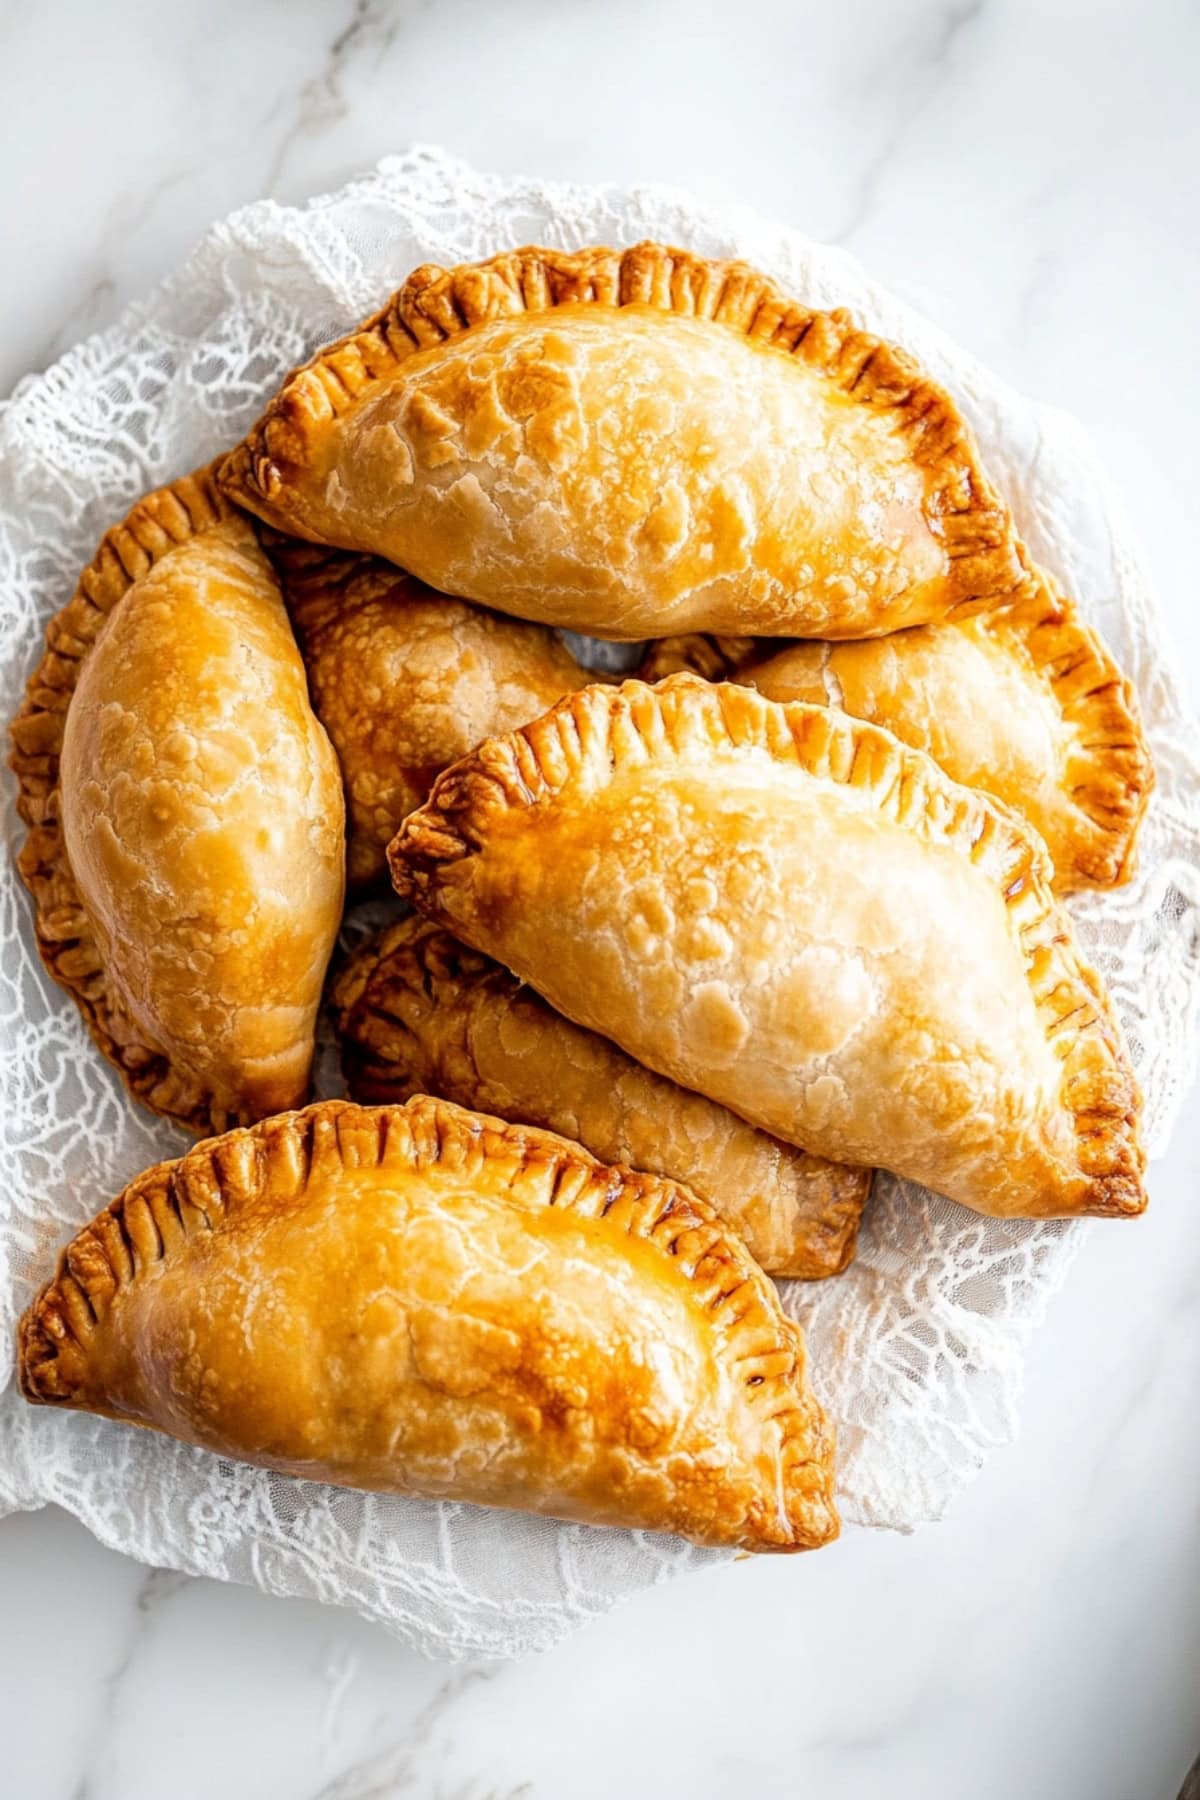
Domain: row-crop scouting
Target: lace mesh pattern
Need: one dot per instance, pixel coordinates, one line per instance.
(917, 1351)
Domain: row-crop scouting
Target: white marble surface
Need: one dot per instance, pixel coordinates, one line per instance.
(1030, 176)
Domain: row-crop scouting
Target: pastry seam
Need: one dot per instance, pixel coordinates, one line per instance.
(1099, 705)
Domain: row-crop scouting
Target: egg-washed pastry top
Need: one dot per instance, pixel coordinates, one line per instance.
(631, 443)
(186, 824)
(421, 1300)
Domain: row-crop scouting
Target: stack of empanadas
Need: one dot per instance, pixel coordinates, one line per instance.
(691, 954)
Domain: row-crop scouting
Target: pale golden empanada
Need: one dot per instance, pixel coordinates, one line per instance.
(406, 681)
(419, 1012)
(1024, 702)
(421, 1300)
(786, 909)
(185, 851)
(635, 442)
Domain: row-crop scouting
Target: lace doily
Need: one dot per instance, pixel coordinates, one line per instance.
(918, 1350)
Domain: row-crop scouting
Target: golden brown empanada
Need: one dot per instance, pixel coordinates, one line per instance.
(635, 442)
(421, 1300)
(1025, 702)
(793, 913)
(406, 681)
(419, 1012)
(185, 851)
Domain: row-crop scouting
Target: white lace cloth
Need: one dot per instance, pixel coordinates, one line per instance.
(918, 1350)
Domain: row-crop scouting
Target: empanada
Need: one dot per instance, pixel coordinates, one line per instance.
(406, 681)
(635, 442)
(186, 845)
(419, 1012)
(421, 1300)
(788, 910)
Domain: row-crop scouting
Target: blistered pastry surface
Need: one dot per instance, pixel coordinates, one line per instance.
(424, 1300)
(658, 863)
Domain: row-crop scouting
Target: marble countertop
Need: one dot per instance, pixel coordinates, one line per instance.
(1029, 175)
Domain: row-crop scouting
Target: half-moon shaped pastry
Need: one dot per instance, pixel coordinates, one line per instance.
(791, 912)
(419, 1012)
(406, 681)
(186, 851)
(635, 442)
(420, 1300)
(1025, 702)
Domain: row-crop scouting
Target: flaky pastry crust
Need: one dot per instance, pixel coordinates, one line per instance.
(419, 1012)
(406, 681)
(631, 443)
(788, 910)
(185, 850)
(421, 1300)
